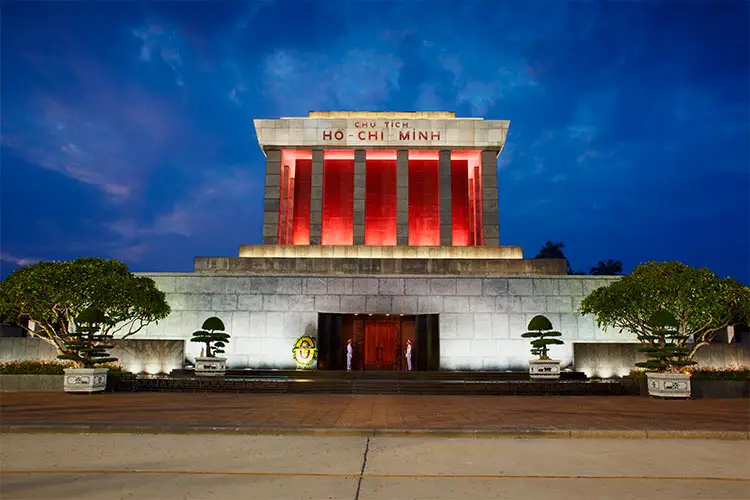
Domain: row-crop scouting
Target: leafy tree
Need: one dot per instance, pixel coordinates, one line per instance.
(87, 345)
(664, 345)
(541, 329)
(609, 268)
(702, 303)
(51, 296)
(551, 251)
(213, 335)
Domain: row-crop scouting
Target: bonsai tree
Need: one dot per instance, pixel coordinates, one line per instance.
(541, 329)
(664, 345)
(701, 303)
(46, 299)
(87, 346)
(213, 335)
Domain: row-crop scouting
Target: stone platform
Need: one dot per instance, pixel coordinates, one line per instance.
(383, 383)
(376, 266)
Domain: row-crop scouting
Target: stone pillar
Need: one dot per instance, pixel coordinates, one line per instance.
(491, 220)
(402, 197)
(446, 212)
(360, 180)
(271, 197)
(316, 197)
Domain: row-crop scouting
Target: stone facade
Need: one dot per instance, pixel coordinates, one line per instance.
(480, 319)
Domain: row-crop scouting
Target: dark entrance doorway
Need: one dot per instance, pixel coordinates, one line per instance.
(379, 342)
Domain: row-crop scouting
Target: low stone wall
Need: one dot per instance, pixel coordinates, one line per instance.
(31, 383)
(602, 360)
(480, 319)
(137, 356)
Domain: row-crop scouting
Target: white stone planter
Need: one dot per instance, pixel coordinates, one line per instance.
(540, 369)
(668, 385)
(86, 380)
(210, 366)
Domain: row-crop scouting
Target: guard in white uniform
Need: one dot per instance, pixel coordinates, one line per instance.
(349, 354)
(408, 355)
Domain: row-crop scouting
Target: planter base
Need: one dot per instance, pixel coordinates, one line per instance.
(211, 367)
(85, 380)
(668, 385)
(544, 369)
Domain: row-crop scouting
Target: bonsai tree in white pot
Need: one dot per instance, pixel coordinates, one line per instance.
(47, 301)
(87, 347)
(540, 329)
(701, 303)
(668, 355)
(211, 334)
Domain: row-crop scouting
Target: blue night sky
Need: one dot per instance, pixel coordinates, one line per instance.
(127, 127)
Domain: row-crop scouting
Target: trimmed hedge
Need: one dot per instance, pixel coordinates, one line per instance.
(48, 368)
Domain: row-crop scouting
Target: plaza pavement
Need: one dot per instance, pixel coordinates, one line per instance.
(375, 415)
(166, 466)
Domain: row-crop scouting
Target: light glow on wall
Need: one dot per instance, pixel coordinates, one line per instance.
(466, 198)
(338, 197)
(424, 198)
(380, 198)
(294, 197)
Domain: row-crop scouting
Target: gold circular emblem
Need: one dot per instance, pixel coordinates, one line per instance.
(305, 351)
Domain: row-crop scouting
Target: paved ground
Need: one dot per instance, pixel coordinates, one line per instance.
(346, 412)
(115, 466)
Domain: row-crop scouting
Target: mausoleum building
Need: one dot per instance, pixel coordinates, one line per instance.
(380, 228)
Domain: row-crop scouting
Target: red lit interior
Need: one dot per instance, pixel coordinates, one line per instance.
(466, 195)
(380, 199)
(301, 219)
(424, 199)
(338, 198)
(460, 202)
(294, 197)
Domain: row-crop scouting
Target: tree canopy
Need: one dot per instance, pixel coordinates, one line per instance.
(551, 250)
(608, 268)
(51, 295)
(702, 303)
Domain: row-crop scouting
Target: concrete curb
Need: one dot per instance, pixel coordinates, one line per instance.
(392, 432)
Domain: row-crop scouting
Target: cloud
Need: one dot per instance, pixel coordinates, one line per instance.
(158, 42)
(18, 261)
(356, 79)
(220, 195)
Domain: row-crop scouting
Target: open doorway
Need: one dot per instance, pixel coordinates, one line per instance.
(379, 341)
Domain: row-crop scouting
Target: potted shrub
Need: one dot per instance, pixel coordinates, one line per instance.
(540, 329)
(87, 347)
(700, 304)
(45, 299)
(211, 334)
(668, 355)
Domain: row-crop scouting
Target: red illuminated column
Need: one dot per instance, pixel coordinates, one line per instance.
(360, 182)
(316, 196)
(271, 197)
(402, 195)
(489, 202)
(445, 198)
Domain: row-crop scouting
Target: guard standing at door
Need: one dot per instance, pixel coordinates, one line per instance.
(349, 353)
(408, 355)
